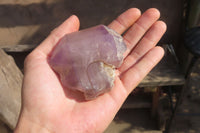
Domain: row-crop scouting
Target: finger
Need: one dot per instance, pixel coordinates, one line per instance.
(125, 20)
(136, 73)
(150, 39)
(68, 26)
(136, 32)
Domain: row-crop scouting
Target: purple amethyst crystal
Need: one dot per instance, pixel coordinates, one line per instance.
(86, 60)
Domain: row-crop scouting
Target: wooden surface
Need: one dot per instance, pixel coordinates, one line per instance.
(10, 90)
(18, 48)
(167, 72)
(163, 76)
(155, 100)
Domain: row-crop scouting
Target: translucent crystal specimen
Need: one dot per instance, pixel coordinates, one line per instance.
(86, 60)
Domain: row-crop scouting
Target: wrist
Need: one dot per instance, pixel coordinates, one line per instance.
(27, 125)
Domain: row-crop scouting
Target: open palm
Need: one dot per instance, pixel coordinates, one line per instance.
(51, 107)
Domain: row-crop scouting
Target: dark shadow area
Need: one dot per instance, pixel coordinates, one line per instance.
(19, 58)
(140, 119)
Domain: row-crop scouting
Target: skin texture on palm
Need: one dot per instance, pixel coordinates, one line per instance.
(49, 107)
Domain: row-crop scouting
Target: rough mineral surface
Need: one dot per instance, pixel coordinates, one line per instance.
(86, 60)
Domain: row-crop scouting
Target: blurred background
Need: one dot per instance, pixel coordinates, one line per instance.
(166, 101)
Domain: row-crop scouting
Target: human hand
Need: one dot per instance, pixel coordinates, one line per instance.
(49, 107)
